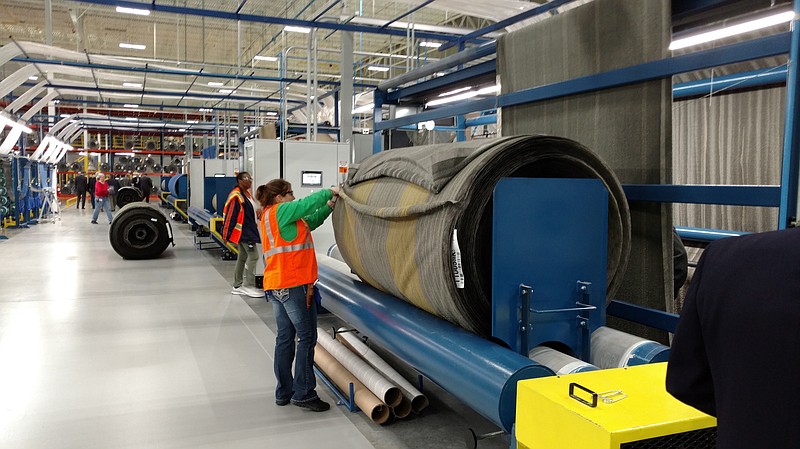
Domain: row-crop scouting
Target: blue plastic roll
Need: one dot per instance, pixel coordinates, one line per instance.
(178, 186)
(480, 373)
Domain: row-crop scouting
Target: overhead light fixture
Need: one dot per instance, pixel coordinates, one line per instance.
(206, 110)
(125, 154)
(64, 115)
(272, 113)
(130, 106)
(733, 30)
(430, 44)
(215, 83)
(226, 91)
(137, 11)
(132, 119)
(131, 84)
(375, 68)
(33, 78)
(180, 130)
(192, 122)
(453, 92)
(489, 90)
(464, 96)
(132, 46)
(295, 29)
(363, 109)
(265, 58)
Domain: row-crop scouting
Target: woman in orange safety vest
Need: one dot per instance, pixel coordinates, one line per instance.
(289, 276)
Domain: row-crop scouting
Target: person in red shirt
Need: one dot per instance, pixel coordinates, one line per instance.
(101, 198)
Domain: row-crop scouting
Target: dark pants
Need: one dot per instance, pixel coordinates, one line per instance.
(81, 203)
(91, 195)
(146, 194)
(295, 321)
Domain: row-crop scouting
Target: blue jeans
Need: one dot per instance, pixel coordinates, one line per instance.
(102, 201)
(294, 321)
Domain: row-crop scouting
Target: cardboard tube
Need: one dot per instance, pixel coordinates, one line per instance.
(373, 380)
(402, 409)
(418, 400)
(366, 401)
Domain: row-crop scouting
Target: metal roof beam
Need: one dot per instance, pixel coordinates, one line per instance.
(264, 19)
(553, 4)
(178, 72)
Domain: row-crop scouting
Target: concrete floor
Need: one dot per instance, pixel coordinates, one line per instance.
(100, 352)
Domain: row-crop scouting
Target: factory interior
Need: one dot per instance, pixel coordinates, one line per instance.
(525, 189)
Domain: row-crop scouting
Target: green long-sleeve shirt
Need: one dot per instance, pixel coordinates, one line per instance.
(313, 209)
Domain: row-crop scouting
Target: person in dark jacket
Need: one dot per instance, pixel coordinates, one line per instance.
(92, 181)
(241, 229)
(736, 351)
(81, 186)
(145, 184)
(113, 189)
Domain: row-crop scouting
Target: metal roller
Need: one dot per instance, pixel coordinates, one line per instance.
(156, 168)
(559, 362)
(149, 161)
(4, 211)
(480, 373)
(75, 166)
(3, 190)
(137, 160)
(105, 167)
(4, 200)
(615, 349)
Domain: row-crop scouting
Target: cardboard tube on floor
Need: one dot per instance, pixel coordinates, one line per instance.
(382, 388)
(366, 401)
(402, 409)
(418, 400)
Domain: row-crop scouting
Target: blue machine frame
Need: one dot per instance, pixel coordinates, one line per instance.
(564, 296)
(778, 44)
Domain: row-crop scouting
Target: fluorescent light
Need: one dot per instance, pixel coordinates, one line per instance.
(192, 122)
(33, 78)
(226, 91)
(295, 29)
(137, 11)
(131, 84)
(130, 106)
(132, 46)
(64, 115)
(206, 110)
(450, 99)
(215, 84)
(180, 130)
(375, 68)
(430, 44)
(272, 113)
(365, 108)
(733, 30)
(132, 119)
(265, 58)
(453, 92)
(489, 90)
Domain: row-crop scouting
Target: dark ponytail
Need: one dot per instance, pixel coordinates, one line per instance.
(265, 194)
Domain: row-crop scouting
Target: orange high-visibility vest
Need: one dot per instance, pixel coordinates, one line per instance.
(288, 264)
(238, 221)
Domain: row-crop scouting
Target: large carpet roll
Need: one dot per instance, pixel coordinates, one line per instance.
(395, 224)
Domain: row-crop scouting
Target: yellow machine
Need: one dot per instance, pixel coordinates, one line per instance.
(623, 408)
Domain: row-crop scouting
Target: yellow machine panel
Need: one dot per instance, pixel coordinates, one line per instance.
(633, 410)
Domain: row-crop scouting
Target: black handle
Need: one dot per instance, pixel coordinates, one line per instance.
(572, 394)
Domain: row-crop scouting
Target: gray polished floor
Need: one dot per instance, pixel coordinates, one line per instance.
(100, 352)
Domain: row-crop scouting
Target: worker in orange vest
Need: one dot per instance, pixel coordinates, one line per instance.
(289, 277)
(241, 229)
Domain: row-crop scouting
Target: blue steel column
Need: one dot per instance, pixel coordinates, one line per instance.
(377, 116)
(789, 170)
(461, 128)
